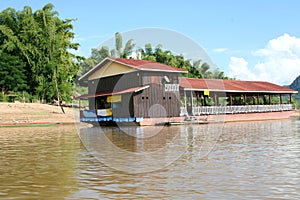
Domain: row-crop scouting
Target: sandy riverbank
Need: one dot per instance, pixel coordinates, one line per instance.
(12, 113)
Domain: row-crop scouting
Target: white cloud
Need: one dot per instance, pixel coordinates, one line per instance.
(279, 62)
(239, 69)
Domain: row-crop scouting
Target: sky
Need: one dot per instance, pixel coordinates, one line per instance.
(248, 39)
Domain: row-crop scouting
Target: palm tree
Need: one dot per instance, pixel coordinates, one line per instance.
(129, 46)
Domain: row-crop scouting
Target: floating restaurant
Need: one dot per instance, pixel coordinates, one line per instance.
(148, 93)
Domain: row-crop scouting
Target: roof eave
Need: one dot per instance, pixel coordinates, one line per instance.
(240, 91)
(87, 74)
(159, 70)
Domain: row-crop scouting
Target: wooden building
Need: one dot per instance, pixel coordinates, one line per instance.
(146, 92)
(125, 90)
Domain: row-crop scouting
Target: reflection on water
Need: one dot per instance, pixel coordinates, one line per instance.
(250, 160)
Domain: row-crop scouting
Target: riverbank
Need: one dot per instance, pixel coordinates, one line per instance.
(17, 113)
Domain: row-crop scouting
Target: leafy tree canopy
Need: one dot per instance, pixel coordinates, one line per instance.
(41, 43)
(196, 69)
(12, 78)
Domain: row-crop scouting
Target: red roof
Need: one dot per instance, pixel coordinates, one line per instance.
(232, 86)
(144, 65)
(148, 65)
(129, 90)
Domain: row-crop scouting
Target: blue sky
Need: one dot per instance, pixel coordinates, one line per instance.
(249, 39)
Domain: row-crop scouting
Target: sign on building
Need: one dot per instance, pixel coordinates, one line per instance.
(171, 87)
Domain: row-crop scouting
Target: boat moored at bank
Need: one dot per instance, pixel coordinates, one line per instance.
(149, 93)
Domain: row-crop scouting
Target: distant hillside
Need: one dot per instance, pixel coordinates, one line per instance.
(296, 86)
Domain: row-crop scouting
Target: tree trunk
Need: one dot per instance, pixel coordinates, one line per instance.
(57, 92)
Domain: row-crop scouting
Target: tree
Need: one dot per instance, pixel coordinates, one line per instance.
(123, 53)
(97, 55)
(12, 74)
(42, 41)
(196, 69)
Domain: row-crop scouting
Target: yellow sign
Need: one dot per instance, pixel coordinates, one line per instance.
(104, 112)
(115, 98)
(108, 112)
(206, 92)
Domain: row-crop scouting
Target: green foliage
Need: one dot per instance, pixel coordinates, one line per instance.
(118, 39)
(41, 41)
(97, 55)
(12, 73)
(196, 69)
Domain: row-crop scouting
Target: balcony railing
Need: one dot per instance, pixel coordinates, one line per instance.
(217, 110)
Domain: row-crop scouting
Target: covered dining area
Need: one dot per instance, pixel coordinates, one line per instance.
(211, 97)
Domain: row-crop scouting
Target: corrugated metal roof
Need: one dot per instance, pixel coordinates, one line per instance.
(148, 65)
(232, 86)
(144, 65)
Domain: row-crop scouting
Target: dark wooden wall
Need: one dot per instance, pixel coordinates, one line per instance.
(156, 94)
(139, 104)
(125, 107)
(158, 77)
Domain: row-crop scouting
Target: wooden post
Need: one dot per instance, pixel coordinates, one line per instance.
(244, 101)
(270, 99)
(230, 99)
(216, 99)
(290, 98)
(185, 100)
(257, 99)
(192, 101)
(280, 98)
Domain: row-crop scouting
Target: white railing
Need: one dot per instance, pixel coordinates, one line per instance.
(183, 111)
(215, 110)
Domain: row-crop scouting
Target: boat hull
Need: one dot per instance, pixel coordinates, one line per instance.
(218, 118)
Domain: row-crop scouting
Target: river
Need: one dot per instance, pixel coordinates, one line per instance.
(249, 160)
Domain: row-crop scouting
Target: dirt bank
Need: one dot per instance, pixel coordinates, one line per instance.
(12, 113)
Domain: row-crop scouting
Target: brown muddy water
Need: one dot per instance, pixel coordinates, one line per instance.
(250, 160)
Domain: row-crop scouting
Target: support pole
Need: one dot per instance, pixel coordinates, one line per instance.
(192, 101)
(280, 98)
(185, 100)
(216, 99)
